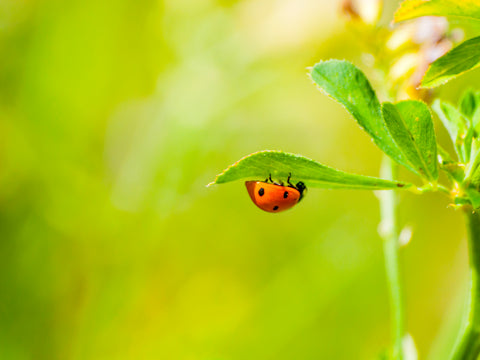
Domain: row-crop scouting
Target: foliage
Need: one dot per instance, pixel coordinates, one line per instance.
(411, 126)
(461, 59)
(280, 165)
(465, 56)
(349, 86)
(114, 114)
(404, 131)
(410, 9)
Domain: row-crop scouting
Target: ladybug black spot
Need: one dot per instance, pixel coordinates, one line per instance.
(275, 208)
(285, 194)
(261, 191)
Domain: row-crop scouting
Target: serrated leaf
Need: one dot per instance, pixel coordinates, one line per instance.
(410, 9)
(455, 123)
(411, 126)
(457, 61)
(260, 165)
(349, 86)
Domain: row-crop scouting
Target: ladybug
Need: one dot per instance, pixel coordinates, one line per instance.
(273, 197)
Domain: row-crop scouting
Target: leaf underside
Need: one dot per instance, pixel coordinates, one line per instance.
(457, 61)
(260, 165)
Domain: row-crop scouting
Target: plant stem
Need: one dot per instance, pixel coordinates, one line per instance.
(389, 233)
(468, 347)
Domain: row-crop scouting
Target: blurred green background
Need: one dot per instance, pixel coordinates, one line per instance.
(114, 115)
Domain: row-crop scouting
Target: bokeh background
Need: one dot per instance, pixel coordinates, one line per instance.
(114, 115)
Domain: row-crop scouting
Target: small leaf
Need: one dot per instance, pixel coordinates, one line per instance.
(460, 59)
(452, 168)
(475, 178)
(260, 165)
(452, 119)
(472, 169)
(467, 144)
(411, 126)
(454, 172)
(468, 103)
(461, 201)
(454, 122)
(472, 173)
(474, 197)
(349, 86)
(476, 121)
(410, 9)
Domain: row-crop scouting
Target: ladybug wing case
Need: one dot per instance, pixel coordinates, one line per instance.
(272, 197)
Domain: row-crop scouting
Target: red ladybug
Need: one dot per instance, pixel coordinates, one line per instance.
(273, 197)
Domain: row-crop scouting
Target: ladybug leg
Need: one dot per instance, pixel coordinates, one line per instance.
(273, 182)
(288, 180)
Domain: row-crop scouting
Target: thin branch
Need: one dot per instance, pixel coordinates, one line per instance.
(468, 346)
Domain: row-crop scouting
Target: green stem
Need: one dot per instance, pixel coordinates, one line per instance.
(389, 233)
(468, 347)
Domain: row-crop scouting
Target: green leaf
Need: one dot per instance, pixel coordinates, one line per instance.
(451, 117)
(472, 173)
(260, 165)
(454, 171)
(468, 103)
(461, 201)
(411, 126)
(410, 9)
(466, 143)
(474, 178)
(348, 85)
(454, 122)
(474, 197)
(476, 121)
(460, 59)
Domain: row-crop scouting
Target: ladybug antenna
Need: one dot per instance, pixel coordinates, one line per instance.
(270, 177)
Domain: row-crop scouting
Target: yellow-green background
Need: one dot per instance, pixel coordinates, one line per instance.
(114, 115)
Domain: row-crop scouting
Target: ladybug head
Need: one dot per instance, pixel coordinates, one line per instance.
(301, 188)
